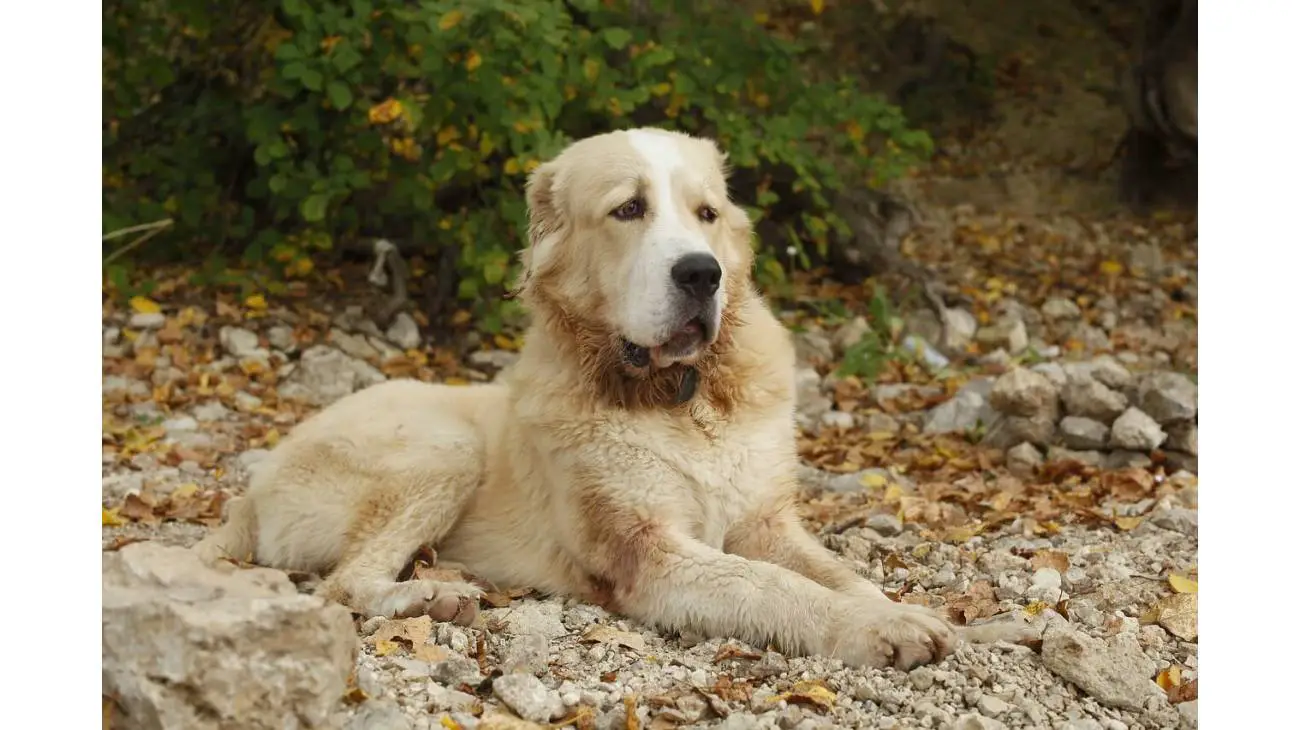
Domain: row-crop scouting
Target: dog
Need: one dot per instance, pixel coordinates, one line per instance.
(639, 455)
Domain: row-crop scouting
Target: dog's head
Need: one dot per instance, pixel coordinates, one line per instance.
(635, 244)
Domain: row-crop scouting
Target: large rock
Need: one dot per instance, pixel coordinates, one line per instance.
(1136, 431)
(968, 407)
(241, 343)
(1083, 433)
(1115, 673)
(1182, 437)
(185, 645)
(1007, 431)
(1023, 392)
(959, 328)
(1088, 398)
(1167, 397)
(404, 331)
(324, 375)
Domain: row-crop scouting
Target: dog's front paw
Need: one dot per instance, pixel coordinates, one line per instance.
(442, 600)
(871, 634)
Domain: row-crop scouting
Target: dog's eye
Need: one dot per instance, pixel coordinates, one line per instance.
(631, 210)
(707, 213)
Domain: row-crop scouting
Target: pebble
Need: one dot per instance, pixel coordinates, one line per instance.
(1167, 397)
(404, 332)
(1116, 672)
(886, 525)
(1023, 460)
(1086, 397)
(1060, 308)
(1023, 392)
(1134, 430)
(146, 320)
(240, 343)
(837, 419)
(1082, 433)
(992, 706)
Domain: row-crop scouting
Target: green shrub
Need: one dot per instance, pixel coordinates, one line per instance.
(274, 131)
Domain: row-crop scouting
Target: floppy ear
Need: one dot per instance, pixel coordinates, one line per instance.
(544, 223)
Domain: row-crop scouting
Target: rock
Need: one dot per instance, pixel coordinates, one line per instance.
(922, 678)
(528, 697)
(146, 321)
(973, 721)
(1175, 461)
(1023, 392)
(813, 347)
(1125, 459)
(1007, 431)
(1167, 397)
(281, 338)
(185, 645)
(499, 359)
(837, 419)
(923, 351)
(1023, 460)
(992, 706)
(1090, 458)
(379, 714)
(1116, 672)
(849, 334)
(180, 424)
(1088, 398)
(404, 332)
(1178, 519)
(1092, 338)
(1136, 431)
(1182, 437)
(810, 402)
(246, 402)
(325, 374)
(858, 481)
(541, 618)
(959, 329)
(1108, 371)
(1053, 372)
(1082, 723)
(882, 423)
(968, 408)
(885, 524)
(210, 411)
(1058, 308)
(240, 343)
(1187, 712)
(352, 345)
(1078, 432)
(1009, 332)
(527, 654)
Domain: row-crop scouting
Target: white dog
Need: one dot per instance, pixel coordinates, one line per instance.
(640, 455)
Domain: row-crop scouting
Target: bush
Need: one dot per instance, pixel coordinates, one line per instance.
(276, 130)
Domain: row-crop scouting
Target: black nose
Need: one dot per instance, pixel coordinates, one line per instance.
(697, 274)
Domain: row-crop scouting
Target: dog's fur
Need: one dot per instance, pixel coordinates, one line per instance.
(664, 491)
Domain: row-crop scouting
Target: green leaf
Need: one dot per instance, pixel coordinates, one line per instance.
(277, 183)
(313, 207)
(617, 38)
(313, 79)
(340, 95)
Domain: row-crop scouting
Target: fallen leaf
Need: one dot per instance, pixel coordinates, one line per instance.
(110, 517)
(384, 648)
(732, 651)
(137, 509)
(1035, 608)
(144, 305)
(1176, 613)
(1181, 584)
(1169, 678)
(808, 693)
(632, 722)
(1128, 523)
(255, 302)
(873, 480)
(609, 635)
(1054, 559)
(355, 696)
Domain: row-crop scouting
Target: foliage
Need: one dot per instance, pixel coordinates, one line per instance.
(277, 131)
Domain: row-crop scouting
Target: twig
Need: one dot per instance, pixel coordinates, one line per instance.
(152, 229)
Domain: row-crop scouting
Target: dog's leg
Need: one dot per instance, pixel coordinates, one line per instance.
(775, 534)
(663, 576)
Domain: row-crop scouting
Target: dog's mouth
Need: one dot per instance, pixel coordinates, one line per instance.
(683, 344)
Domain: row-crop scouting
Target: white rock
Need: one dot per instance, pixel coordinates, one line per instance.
(881, 423)
(973, 721)
(1182, 437)
(1108, 371)
(959, 330)
(531, 617)
(324, 375)
(189, 646)
(180, 424)
(379, 714)
(1116, 672)
(968, 407)
(850, 333)
(353, 345)
(837, 419)
(246, 401)
(210, 411)
(1167, 397)
(281, 338)
(1088, 398)
(1078, 432)
(924, 351)
(1060, 308)
(1023, 392)
(499, 359)
(404, 332)
(812, 347)
(146, 320)
(1023, 459)
(992, 706)
(240, 343)
(1053, 372)
(1134, 430)
(528, 697)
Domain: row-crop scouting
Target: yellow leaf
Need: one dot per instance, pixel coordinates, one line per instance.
(449, 723)
(450, 20)
(385, 112)
(817, 6)
(1170, 678)
(110, 517)
(1111, 267)
(512, 166)
(455, 381)
(272, 437)
(808, 693)
(255, 301)
(473, 60)
(185, 491)
(144, 305)
(447, 134)
(873, 479)
(1181, 584)
(384, 648)
(893, 493)
(1035, 608)
(1128, 523)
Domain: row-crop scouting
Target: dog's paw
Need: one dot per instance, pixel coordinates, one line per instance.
(441, 600)
(890, 635)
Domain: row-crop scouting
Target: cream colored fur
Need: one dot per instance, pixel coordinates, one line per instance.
(575, 475)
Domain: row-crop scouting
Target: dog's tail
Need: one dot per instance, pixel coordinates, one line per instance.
(236, 539)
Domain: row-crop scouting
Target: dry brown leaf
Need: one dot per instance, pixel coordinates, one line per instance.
(1176, 613)
(732, 651)
(609, 635)
(1054, 559)
(808, 693)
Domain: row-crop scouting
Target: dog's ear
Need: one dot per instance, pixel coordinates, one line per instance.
(544, 224)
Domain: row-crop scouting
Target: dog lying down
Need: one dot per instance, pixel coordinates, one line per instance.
(640, 454)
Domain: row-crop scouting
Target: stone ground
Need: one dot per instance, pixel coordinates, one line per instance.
(1036, 464)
